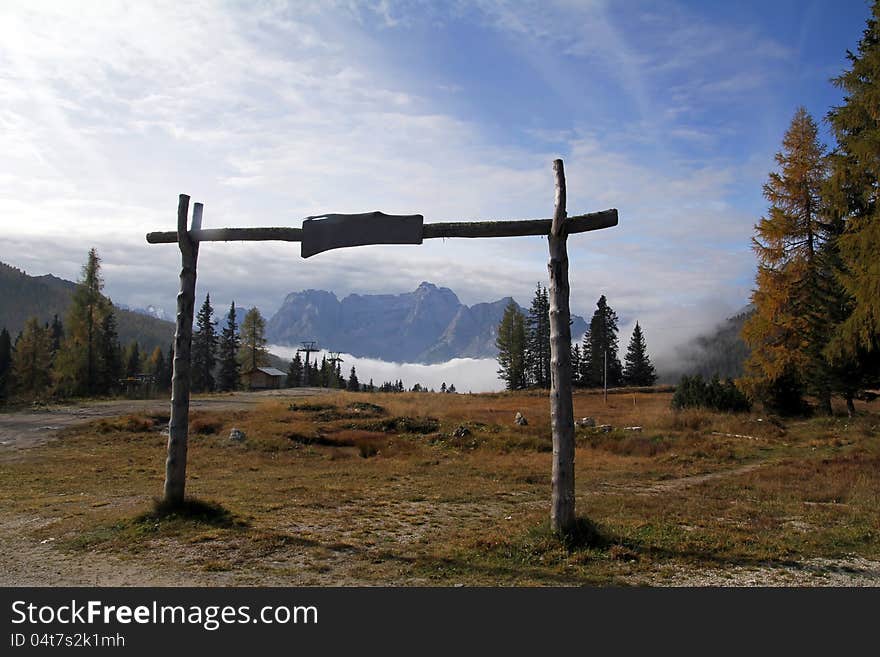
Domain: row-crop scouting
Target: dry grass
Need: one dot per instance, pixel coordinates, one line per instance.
(388, 488)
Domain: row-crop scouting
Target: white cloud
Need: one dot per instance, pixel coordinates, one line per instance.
(466, 374)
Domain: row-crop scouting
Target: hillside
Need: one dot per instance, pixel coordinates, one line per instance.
(428, 325)
(720, 352)
(23, 296)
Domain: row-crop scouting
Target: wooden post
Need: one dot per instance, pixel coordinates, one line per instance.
(178, 426)
(562, 518)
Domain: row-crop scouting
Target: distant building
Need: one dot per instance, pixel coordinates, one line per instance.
(264, 378)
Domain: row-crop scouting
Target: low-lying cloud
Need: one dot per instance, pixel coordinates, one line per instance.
(467, 374)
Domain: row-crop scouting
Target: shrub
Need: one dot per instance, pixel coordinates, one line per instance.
(367, 449)
(694, 392)
(205, 427)
(131, 423)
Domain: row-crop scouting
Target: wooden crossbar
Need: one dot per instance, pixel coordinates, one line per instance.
(578, 224)
(325, 232)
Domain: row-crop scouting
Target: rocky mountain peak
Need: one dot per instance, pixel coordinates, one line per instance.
(427, 325)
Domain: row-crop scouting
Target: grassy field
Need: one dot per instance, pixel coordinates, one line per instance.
(430, 489)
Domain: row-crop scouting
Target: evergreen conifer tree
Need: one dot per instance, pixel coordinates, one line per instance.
(852, 193)
(601, 342)
(538, 340)
(110, 354)
(32, 360)
(132, 359)
(56, 332)
(638, 370)
(575, 364)
(204, 349)
(323, 374)
(586, 359)
(229, 347)
(511, 344)
(353, 383)
(294, 372)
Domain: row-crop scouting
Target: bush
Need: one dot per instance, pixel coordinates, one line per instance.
(694, 392)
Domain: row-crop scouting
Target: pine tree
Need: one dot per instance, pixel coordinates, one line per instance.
(586, 359)
(511, 344)
(253, 352)
(600, 343)
(852, 192)
(322, 372)
(353, 383)
(295, 371)
(77, 365)
(110, 354)
(229, 346)
(789, 328)
(576, 364)
(132, 359)
(204, 349)
(638, 371)
(538, 340)
(56, 333)
(5, 363)
(32, 360)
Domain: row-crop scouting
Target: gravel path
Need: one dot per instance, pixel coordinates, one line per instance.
(31, 428)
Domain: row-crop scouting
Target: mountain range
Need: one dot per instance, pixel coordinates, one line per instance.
(429, 325)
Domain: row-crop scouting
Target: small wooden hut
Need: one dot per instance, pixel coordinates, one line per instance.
(264, 378)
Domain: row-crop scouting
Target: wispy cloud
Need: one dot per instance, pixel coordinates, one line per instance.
(271, 112)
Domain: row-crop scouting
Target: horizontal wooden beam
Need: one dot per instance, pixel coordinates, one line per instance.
(231, 235)
(578, 224)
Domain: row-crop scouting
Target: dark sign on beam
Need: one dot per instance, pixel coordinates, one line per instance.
(336, 231)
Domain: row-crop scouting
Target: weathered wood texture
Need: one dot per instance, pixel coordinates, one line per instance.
(562, 517)
(468, 229)
(178, 426)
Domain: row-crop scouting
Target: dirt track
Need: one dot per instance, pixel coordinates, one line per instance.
(30, 428)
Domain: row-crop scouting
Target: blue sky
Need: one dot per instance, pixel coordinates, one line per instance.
(268, 112)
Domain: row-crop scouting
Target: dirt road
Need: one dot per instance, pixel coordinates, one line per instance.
(29, 428)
